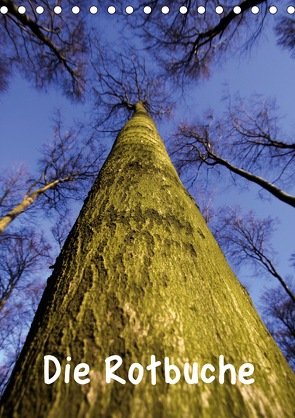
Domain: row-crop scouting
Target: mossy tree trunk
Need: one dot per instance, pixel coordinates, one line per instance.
(141, 274)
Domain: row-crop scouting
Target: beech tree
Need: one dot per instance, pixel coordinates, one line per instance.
(68, 167)
(188, 42)
(140, 274)
(105, 290)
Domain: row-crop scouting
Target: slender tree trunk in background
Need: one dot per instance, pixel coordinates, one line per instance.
(139, 275)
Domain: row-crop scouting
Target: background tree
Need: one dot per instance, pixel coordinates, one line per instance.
(243, 237)
(279, 315)
(23, 254)
(285, 31)
(189, 44)
(46, 47)
(67, 168)
(241, 141)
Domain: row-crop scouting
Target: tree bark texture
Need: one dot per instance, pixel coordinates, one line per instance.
(141, 274)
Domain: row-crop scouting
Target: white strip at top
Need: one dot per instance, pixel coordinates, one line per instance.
(147, 10)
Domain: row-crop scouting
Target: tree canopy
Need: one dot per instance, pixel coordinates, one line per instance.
(47, 47)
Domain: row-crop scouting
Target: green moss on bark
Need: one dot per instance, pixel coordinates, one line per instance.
(141, 274)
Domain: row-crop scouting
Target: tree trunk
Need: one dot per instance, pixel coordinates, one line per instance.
(139, 275)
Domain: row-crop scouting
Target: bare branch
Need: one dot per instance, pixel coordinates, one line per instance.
(246, 238)
(122, 80)
(279, 315)
(244, 143)
(21, 253)
(48, 47)
(68, 168)
(189, 44)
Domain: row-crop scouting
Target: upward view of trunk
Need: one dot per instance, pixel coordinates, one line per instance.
(139, 275)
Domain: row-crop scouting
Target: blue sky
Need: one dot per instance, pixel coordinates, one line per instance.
(25, 115)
